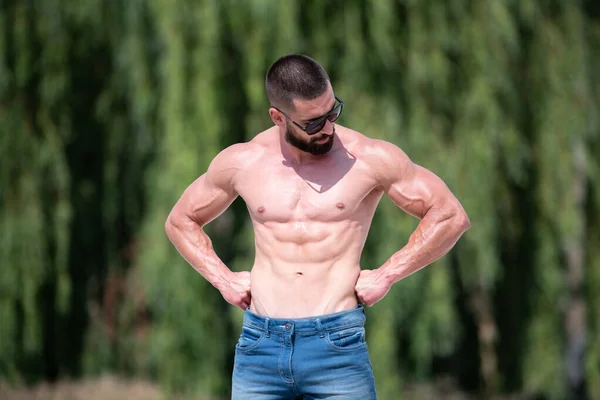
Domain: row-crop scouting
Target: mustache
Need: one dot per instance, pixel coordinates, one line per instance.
(324, 136)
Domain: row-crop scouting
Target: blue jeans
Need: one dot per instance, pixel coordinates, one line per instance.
(323, 357)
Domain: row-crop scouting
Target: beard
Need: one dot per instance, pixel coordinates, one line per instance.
(310, 146)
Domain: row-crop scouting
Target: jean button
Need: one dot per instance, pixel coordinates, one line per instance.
(288, 326)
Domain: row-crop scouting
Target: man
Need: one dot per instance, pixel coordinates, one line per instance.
(311, 188)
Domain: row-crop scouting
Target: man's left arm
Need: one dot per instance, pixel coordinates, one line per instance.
(424, 195)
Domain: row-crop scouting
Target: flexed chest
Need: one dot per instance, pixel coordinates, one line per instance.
(285, 194)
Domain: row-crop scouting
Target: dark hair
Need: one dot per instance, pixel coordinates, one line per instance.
(292, 77)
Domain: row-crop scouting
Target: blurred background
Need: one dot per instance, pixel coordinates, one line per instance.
(109, 109)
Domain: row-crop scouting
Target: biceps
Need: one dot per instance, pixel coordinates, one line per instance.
(203, 201)
(418, 193)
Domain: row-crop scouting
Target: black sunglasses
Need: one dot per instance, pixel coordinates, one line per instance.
(316, 125)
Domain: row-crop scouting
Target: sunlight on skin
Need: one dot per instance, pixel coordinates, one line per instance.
(311, 214)
(311, 219)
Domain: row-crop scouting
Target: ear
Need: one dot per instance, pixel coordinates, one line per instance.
(277, 117)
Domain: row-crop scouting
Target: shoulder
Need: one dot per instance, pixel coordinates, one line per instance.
(246, 154)
(385, 160)
(238, 154)
(228, 162)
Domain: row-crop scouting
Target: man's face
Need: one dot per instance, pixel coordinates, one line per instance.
(316, 145)
(307, 110)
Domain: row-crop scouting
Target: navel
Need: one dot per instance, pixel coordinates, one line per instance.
(261, 210)
(299, 274)
(340, 205)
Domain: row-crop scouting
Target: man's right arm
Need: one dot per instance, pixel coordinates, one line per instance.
(203, 201)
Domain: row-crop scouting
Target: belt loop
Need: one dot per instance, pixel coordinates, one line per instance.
(320, 328)
(267, 327)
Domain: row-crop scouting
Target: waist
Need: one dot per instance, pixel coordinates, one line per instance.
(310, 325)
(280, 291)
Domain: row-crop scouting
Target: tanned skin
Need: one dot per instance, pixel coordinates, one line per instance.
(311, 215)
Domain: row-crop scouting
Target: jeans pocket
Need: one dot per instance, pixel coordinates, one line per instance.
(347, 339)
(250, 338)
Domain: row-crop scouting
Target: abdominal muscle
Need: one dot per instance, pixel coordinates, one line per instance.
(299, 276)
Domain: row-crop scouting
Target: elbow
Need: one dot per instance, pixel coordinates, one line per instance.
(169, 226)
(463, 223)
(172, 225)
(457, 218)
(177, 223)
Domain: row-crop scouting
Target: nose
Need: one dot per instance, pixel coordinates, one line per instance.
(328, 128)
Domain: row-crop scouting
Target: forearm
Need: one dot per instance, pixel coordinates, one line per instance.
(196, 248)
(435, 235)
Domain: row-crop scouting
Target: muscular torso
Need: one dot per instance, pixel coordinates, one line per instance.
(310, 221)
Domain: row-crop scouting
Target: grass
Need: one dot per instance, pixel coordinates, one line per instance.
(105, 388)
(113, 388)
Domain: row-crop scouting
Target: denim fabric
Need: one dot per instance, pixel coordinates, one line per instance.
(323, 357)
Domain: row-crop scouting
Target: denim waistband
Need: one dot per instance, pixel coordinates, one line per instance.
(353, 317)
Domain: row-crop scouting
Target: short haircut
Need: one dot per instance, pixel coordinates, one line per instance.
(295, 76)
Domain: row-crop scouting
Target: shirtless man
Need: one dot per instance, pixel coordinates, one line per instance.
(311, 188)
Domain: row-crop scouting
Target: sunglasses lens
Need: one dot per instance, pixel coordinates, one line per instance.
(335, 113)
(315, 126)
